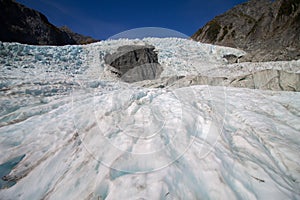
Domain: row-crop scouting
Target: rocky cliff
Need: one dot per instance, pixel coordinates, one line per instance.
(134, 63)
(25, 25)
(267, 30)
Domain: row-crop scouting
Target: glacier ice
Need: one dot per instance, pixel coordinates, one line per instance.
(87, 135)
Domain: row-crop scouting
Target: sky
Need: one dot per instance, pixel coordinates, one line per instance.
(103, 19)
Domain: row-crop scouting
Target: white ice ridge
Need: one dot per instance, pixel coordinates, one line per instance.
(85, 138)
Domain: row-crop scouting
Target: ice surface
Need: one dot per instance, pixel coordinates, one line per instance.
(86, 136)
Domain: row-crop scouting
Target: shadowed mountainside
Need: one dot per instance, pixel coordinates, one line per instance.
(80, 39)
(25, 25)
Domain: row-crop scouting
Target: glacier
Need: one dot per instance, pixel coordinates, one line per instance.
(69, 129)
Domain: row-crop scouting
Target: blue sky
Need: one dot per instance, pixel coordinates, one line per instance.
(102, 19)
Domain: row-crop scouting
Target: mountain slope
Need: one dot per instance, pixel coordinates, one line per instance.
(25, 25)
(79, 39)
(267, 30)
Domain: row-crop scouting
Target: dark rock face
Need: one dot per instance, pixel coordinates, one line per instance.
(27, 26)
(135, 63)
(232, 58)
(267, 30)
